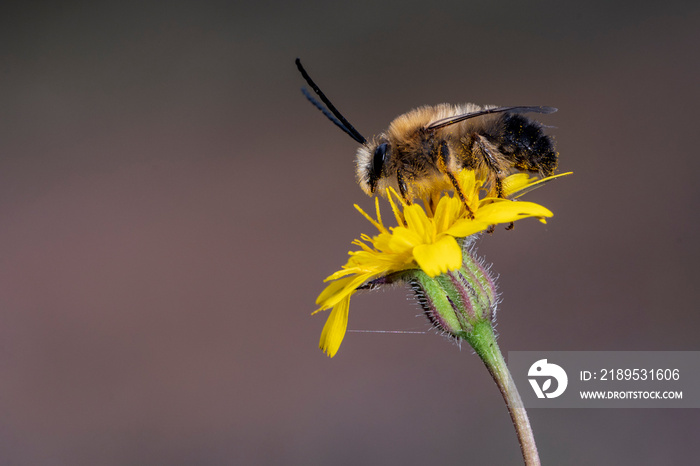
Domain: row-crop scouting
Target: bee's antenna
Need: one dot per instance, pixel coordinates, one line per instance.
(356, 136)
(336, 117)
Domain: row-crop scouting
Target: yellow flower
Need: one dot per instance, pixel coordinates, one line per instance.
(425, 238)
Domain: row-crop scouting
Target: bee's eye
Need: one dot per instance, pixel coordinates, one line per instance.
(379, 158)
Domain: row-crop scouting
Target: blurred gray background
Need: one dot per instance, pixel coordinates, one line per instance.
(170, 203)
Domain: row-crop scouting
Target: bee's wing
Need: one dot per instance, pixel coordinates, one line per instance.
(465, 116)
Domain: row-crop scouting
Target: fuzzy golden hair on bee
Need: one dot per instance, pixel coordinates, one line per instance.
(422, 150)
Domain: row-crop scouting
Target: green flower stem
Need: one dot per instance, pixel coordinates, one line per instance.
(462, 303)
(483, 340)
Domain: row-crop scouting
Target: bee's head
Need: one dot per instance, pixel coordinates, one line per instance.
(372, 163)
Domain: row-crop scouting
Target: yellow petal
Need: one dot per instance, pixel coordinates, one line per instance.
(417, 221)
(382, 242)
(517, 188)
(439, 257)
(390, 193)
(467, 180)
(509, 211)
(334, 330)
(378, 224)
(340, 289)
(446, 212)
(466, 227)
(379, 214)
(516, 182)
(404, 239)
(359, 242)
(332, 288)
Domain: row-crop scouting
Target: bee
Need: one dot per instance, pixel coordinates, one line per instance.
(422, 150)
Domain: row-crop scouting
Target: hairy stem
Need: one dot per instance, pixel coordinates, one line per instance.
(483, 340)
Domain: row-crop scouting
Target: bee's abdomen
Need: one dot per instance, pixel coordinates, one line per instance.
(529, 149)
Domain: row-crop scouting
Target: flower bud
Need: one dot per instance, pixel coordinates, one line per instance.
(456, 301)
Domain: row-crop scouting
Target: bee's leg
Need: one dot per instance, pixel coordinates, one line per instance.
(491, 162)
(403, 187)
(443, 152)
(403, 191)
(498, 184)
(458, 190)
(495, 173)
